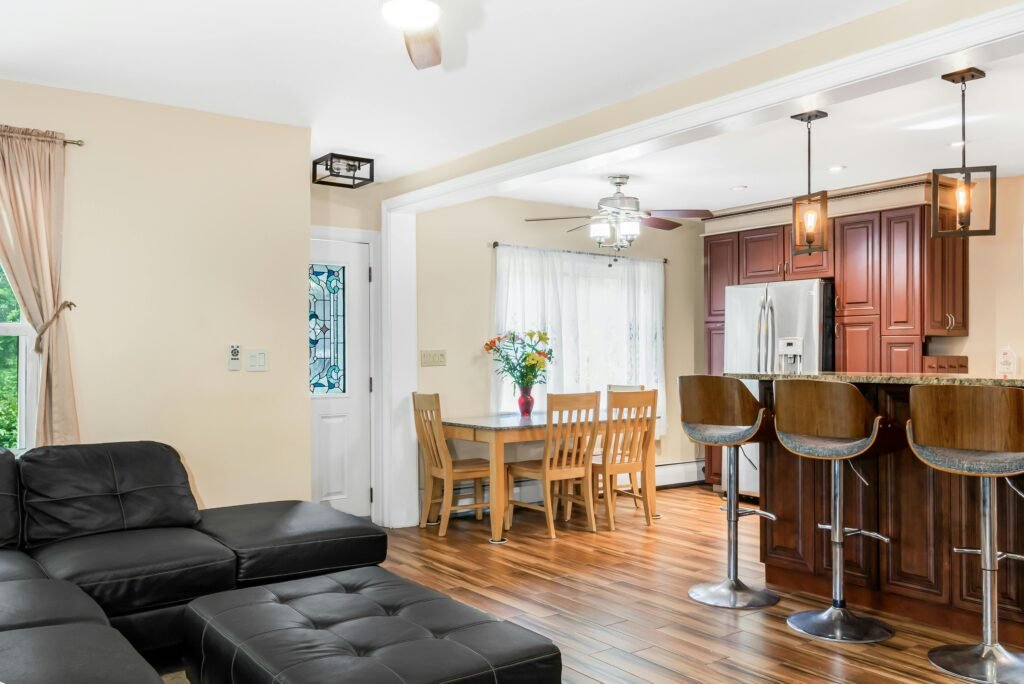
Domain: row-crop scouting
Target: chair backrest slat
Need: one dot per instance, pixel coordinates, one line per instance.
(430, 431)
(822, 409)
(716, 400)
(629, 428)
(975, 417)
(571, 430)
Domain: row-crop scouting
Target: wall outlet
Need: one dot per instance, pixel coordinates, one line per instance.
(234, 357)
(433, 357)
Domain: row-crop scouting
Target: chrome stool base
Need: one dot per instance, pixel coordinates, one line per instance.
(979, 663)
(839, 624)
(732, 594)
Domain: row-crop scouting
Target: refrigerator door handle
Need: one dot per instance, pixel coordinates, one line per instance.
(760, 333)
(770, 332)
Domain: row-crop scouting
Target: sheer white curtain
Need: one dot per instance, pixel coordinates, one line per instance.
(606, 320)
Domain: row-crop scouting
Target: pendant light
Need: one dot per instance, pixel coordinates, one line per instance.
(810, 211)
(975, 205)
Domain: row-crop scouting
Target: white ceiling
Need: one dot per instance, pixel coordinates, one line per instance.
(511, 66)
(891, 134)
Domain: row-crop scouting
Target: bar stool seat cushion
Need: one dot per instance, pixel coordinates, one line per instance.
(824, 447)
(969, 461)
(720, 434)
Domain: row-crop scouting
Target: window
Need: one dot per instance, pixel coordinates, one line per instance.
(605, 317)
(326, 329)
(19, 373)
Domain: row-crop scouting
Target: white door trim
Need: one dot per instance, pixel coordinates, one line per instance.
(976, 40)
(371, 238)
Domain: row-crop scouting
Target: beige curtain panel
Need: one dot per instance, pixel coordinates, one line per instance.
(31, 232)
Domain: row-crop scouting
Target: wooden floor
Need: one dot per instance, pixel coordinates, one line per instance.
(616, 602)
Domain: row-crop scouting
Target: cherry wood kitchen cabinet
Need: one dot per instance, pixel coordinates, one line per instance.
(901, 246)
(944, 364)
(946, 284)
(901, 354)
(721, 269)
(762, 255)
(858, 265)
(858, 344)
(804, 266)
(714, 355)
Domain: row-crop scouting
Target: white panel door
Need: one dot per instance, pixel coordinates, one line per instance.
(339, 373)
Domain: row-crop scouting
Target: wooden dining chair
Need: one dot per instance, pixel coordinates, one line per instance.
(438, 466)
(569, 442)
(626, 448)
(633, 480)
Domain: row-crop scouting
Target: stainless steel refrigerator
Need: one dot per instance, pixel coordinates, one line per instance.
(776, 328)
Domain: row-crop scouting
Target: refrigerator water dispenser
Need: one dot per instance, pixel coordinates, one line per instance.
(790, 355)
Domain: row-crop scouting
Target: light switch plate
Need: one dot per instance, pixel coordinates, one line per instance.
(256, 360)
(433, 357)
(234, 357)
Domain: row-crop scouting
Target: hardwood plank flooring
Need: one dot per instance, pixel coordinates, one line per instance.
(616, 603)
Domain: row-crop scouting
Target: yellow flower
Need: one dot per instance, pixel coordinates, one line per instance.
(531, 333)
(543, 337)
(538, 360)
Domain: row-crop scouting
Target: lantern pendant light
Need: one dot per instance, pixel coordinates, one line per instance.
(810, 211)
(974, 202)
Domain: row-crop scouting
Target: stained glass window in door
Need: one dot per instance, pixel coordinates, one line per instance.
(326, 329)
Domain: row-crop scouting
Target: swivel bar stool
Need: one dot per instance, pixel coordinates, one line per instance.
(977, 432)
(719, 411)
(831, 421)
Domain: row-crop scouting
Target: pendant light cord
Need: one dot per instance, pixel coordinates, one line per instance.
(808, 157)
(963, 124)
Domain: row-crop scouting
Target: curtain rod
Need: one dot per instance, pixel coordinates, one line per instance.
(77, 143)
(495, 245)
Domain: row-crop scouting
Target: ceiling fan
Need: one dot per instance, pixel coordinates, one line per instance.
(417, 20)
(622, 208)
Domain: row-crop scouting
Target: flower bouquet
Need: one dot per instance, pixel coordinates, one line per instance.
(524, 359)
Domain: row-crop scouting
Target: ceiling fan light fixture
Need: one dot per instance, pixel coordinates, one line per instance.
(969, 190)
(629, 230)
(600, 230)
(411, 16)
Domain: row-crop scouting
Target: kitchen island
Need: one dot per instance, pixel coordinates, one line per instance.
(925, 512)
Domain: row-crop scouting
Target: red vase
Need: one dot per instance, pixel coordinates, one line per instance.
(525, 401)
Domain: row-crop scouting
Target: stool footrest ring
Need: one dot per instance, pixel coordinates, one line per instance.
(961, 549)
(856, 532)
(1012, 556)
(743, 512)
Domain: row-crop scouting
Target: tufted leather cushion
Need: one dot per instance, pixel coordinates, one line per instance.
(10, 507)
(137, 570)
(16, 565)
(81, 653)
(357, 626)
(77, 490)
(284, 540)
(41, 602)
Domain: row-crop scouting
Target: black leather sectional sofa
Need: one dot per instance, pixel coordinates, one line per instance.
(103, 553)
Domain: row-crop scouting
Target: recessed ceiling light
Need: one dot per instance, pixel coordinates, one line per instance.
(839, 168)
(739, 188)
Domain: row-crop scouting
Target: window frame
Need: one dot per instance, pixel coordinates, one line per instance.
(29, 367)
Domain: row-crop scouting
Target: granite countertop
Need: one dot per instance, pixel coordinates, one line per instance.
(887, 378)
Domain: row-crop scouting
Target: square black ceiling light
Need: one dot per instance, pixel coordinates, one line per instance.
(342, 171)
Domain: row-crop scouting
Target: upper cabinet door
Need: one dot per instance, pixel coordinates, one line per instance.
(762, 255)
(901, 272)
(858, 276)
(946, 284)
(721, 269)
(817, 265)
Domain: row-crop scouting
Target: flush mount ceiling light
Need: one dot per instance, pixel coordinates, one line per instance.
(342, 171)
(971, 189)
(810, 211)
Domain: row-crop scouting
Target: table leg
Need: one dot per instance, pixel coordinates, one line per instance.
(498, 501)
(649, 481)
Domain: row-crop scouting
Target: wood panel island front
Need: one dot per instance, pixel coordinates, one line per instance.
(925, 512)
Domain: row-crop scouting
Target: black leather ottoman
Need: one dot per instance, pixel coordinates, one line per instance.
(365, 625)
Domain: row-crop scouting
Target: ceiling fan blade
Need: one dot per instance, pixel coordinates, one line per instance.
(573, 230)
(681, 213)
(424, 48)
(555, 218)
(659, 223)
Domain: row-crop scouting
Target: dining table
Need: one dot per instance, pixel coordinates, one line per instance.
(500, 429)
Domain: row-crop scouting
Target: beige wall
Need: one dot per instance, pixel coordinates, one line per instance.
(996, 306)
(185, 232)
(342, 208)
(455, 285)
